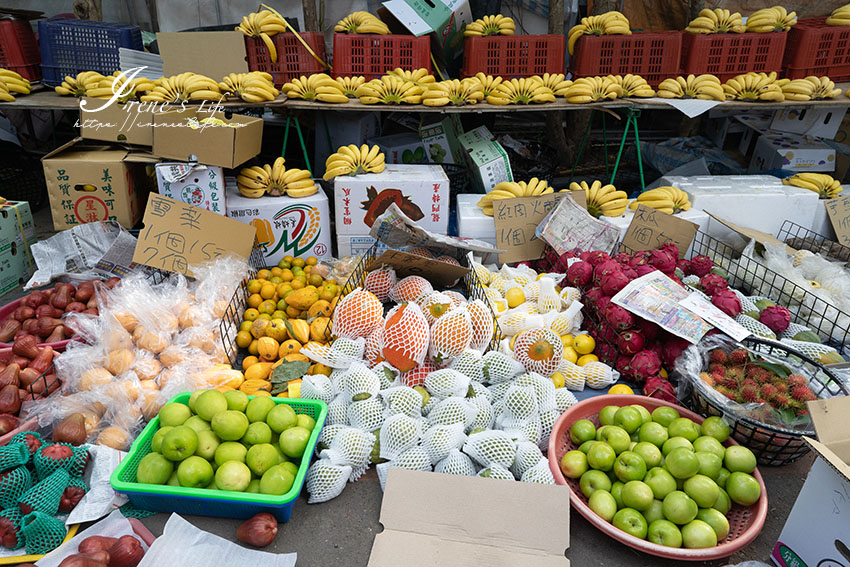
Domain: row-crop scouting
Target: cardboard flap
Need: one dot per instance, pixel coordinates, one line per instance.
(750, 233)
(405, 264)
(528, 519)
(829, 456)
(651, 229)
(829, 418)
(109, 153)
(190, 51)
(141, 157)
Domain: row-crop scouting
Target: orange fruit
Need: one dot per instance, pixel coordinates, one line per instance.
(297, 283)
(410, 288)
(267, 291)
(267, 306)
(584, 344)
(315, 280)
(254, 300)
(279, 314)
(405, 337)
(249, 361)
(312, 260)
(276, 271)
(243, 339)
(252, 348)
(254, 286)
(245, 325)
(620, 389)
(539, 350)
(299, 262)
(450, 335)
(288, 258)
(357, 314)
(282, 288)
(275, 280)
(263, 274)
(251, 314)
(585, 358)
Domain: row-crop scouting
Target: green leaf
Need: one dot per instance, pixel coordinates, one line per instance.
(285, 372)
(778, 369)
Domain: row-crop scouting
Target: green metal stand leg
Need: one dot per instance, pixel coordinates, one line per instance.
(581, 146)
(297, 123)
(631, 121)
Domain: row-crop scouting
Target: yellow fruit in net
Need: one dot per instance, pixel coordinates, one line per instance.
(567, 340)
(570, 354)
(573, 375)
(584, 344)
(515, 297)
(558, 380)
(620, 389)
(585, 358)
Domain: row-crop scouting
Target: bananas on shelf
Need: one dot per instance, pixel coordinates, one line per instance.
(555, 81)
(79, 85)
(840, 16)
(275, 180)
(821, 183)
(609, 23)
(453, 92)
(716, 21)
(489, 83)
(117, 83)
(521, 91)
(602, 200)
(593, 89)
(703, 87)
(11, 84)
(183, 87)
(419, 77)
(808, 88)
(350, 84)
(512, 189)
(317, 87)
(254, 87)
(774, 19)
(361, 22)
(263, 24)
(666, 199)
(351, 160)
(753, 86)
(490, 25)
(632, 86)
(389, 89)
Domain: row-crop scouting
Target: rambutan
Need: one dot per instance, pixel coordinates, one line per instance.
(768, 391)
(757, 373)
(797, 380)
(749, 382)
(717, 356)
(717, 369)
(736, 373)
(781, 387)
(802, 393)
(781, 401)
(749, 393)
(707, 378)
(738, 356)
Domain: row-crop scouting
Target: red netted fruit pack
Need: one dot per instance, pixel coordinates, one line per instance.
(814, 48)
(652, 55)
(513, 56)
(728, 54)
(371, 56)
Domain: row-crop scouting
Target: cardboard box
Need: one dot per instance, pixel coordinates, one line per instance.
(356, 244)
(285, 226)
(809, 121)
(817, 531)
(17, 235)
(422, 192)
(696, 216)
(179, 135)
(405, 147)
(199, 185)
(129, 123)
(443, 19)
(340, 128)
(186, 51)
(486, 157)
(429, 520)
(775, 150)
(88, 183)
(441, 140)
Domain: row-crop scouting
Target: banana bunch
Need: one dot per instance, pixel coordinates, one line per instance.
(11, 83)
(361, 22)
(275, 180)
(350, 85)
(419, 77)
(79, 85)
(821, 183)
(263, 24)
(772, 19)
(254, 87)
(317, 87)
(351, 160)
(593, 89)
(609, 23)
(453, 92)
(521, 91)
(118, 83)
(602, 200)
(666, 199)
(809, 88)
(632, 86)
(389, 89)
(513, 189)
(490, 25)
(753, 86)
(556, 82)
(702, 87)
(489, 83)
(716, 21)
(183, 87)
(840, 16)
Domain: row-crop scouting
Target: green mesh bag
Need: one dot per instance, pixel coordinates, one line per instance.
(45, 496)
(12, 456)
(11, 536)
(31, 440)
(130, 511)
(71, 496)
(13, 483)
(60, 456)
(42, 533)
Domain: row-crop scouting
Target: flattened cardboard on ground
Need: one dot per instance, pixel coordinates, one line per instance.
(214, 54)
(651, 229)
(443, 520)
(176, 135)
(405, 264)
(516, 226)
(752, 234)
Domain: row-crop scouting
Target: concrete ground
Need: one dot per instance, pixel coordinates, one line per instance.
(340, 532)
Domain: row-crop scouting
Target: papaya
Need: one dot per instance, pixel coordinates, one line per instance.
(296, 356)
(289, 347)
(303, 298)
(276, 329)
(254, 387)
(807, 336)
(298, 329)
(267, 348)
(320, 308)
(830, 358)
(258, 371)
(320, 329)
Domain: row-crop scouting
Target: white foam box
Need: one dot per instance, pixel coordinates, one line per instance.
(793, 152)
(699, 218)
(356, 244)
(285, 226)
(420, 191)
(473, 223)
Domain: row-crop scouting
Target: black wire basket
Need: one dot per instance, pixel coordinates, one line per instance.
(801, 238)
(772, 445)
(232, 318)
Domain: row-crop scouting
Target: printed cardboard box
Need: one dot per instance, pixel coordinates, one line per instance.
(444, 20)
(88, 183)
(199, 185)
(441, 140)
(356, 244)
(17, 234)
(776, 150)
(129, 123)
(285, 226)
(405, 147)
(810, 121)
(420, 191)
(486, 157)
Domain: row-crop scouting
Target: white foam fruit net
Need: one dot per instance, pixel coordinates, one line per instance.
(446, 383)
(350, 447)
(527, 455)
(374, 345)
(539, 473)
(434, 305)
(485, 415)
(478, 389)
(340, 355)
(539, 350)
(457, 298)
(452, 410)
(380, 282)
(544, 389)
(573, 375)
(498, 391)
(413, 459)
(755, 327)
(439, 440)
(402, 400)
(410, 288)
(496, 471)
(327, 435)
(366, 414)
(398, 434)
(598, 375)
(564, 399)
(489, 447)
(456, 463)
(406, 337)
(450, 335)
(337, 411)
(357, 314)
(548, 299)
(481, 319)
(520, 402)
(570, 294)
(547, 420)
(387, 375)
(326, 481)
(469, 364)
(317, 387)
(499, 367)
(360, 383)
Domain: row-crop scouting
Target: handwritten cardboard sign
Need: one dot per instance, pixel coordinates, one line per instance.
(177, 235)
(651, 229)
(406, 264)
(839, 215)
(516, 224)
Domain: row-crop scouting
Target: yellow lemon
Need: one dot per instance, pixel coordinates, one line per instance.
(245, 325)
(568, 340)
(584, 344)
(263, 274)
(254, 300)
(267, 291)
(620, 389)
(515, 297)
(251, 314)
(584, 359)
(570, 354)
(254, 286)
(243, 339)
(558, 379)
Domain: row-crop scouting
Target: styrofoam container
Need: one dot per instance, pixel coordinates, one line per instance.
(471, 221)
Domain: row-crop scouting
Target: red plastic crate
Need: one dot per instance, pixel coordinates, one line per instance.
(513, 56)
(19, 49)
(293, 59)
(814, 48)
(371, 56)
(728, 54)
(652, 55)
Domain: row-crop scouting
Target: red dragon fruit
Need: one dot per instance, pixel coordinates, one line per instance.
(630, 273)
(579, 274)
(660, 388)
(618, 317)
(776, 317)
(727, 302)
(593, 295)
(684, 265)
(608, 334)
(584, 256)
(701, 265)
(644, 269)
(712, 283)
(673, 347)
(671, 249)
(603, 302)
(644, 365)
(631, 342)
(662, 260)
(603, 269)
(623, 365)
(648, 328)
(596, 257)
(639, 259)
(605, 351)
(613, 283)
(622, 258)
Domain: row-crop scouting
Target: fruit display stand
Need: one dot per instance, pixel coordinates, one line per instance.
(728, 54)
(371, 56)
(19, 49)
(652, 55)
(293, 59)
(815, 48)
(744, 523)
(513, 56)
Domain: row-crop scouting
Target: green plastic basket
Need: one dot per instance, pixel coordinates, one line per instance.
(220, 503)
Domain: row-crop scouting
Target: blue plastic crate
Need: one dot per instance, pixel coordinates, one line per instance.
(70, 46)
